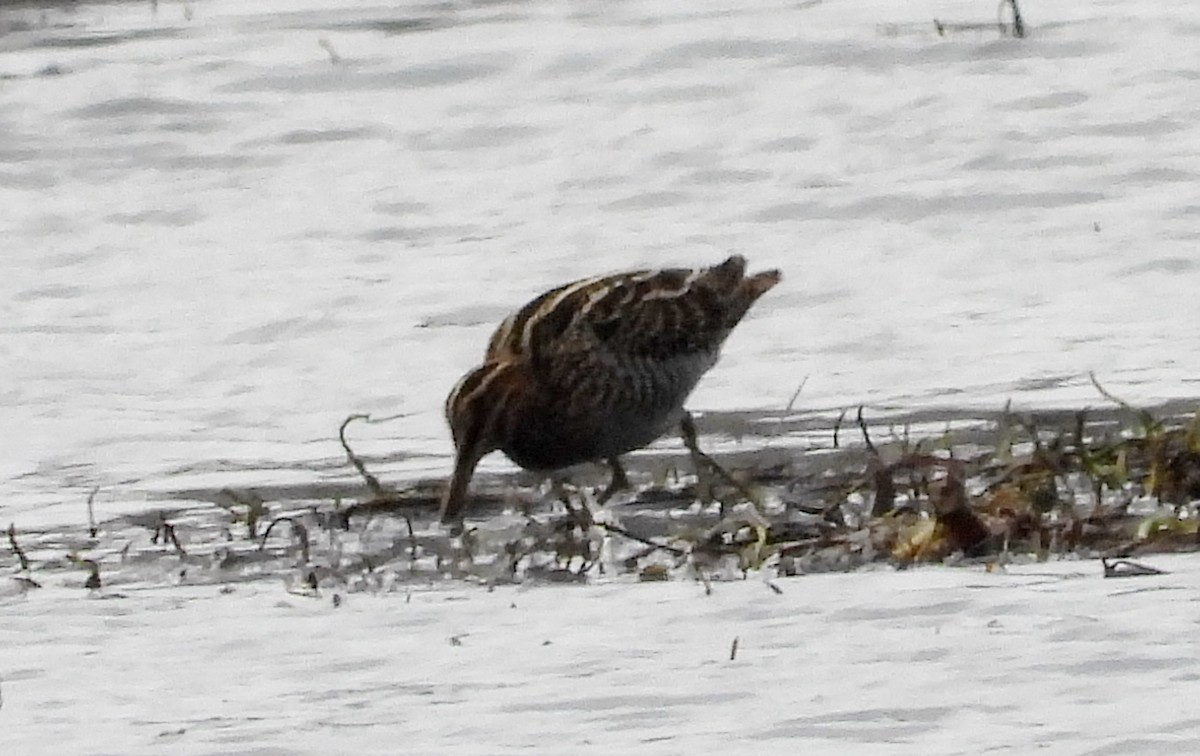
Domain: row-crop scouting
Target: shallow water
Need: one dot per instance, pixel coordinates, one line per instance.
(228, 226)
(930, 661)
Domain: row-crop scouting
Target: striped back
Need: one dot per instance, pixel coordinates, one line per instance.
(655, 314)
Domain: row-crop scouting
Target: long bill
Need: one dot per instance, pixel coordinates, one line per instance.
(454, 503)
(473, 410)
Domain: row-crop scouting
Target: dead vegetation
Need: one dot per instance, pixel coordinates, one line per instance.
(1009, 22)
(1113, 484)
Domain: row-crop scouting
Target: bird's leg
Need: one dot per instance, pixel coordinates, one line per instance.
(558, 487)
(619, 482)
(687, 429)
(578, 524)
(562, 490)
(753, 518)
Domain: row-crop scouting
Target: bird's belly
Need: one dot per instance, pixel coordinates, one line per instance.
(555, 445)
(600, 414)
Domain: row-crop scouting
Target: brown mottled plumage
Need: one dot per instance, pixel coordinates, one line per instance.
(594, 369)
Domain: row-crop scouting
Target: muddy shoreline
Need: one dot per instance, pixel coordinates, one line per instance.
(795, 493)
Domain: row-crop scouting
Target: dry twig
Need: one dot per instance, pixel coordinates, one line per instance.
(12, 541)
(299, 531)
(93, 529)
(372, 482)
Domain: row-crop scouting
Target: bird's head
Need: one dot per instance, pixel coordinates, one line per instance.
(477, 411)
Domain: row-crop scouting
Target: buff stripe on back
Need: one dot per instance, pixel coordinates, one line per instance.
(574, 301)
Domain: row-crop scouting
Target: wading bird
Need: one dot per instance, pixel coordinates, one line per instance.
(594, 369)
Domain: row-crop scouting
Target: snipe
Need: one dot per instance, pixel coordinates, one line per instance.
(594, 369)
